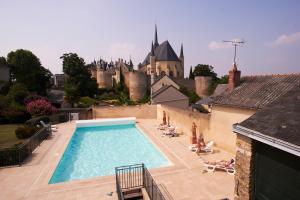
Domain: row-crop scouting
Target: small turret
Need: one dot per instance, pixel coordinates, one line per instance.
(152, 60)
(155, 38)
(181, 58)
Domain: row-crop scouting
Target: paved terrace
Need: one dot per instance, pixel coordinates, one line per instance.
(184, 180)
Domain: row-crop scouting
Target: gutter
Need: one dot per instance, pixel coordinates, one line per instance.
(274, 142)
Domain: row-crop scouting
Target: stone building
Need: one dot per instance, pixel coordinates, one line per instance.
(162, 60)
(244, 97)
(268, 151)
(59, 80)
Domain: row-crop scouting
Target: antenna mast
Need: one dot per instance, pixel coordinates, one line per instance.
(235, 43)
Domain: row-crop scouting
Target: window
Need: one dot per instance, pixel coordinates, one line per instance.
(162, 73)
(171, 74)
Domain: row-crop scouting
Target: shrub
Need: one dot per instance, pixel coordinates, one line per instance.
(33, 97)
(40, 107)
(36, 120)
(86, 102)
(14, 115)
(25, 131)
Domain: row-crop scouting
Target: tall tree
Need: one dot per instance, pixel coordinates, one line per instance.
(26, 69)
(79, 76)
(204, 70)
(191, 75)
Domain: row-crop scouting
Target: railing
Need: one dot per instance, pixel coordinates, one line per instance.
(15, 156)
(137, 176)
(151, 187)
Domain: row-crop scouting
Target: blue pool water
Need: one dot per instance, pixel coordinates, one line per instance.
(96, 151)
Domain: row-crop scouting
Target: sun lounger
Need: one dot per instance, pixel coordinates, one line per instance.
(162, 127)
(227, 166)
(51, 127)
(171, 132)
(207, 149)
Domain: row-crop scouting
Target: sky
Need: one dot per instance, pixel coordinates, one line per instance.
(120, 29)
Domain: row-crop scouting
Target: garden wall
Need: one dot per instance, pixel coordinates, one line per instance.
(138, 111)
(184, 118)
(216, 126)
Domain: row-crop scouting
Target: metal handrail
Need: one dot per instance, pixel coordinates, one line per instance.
(15, 156)
(135, 176)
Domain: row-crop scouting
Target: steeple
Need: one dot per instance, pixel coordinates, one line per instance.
(152, 49)
(155, 38)
(181, 51)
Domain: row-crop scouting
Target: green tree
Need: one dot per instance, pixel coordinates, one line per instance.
(17, 93)
(79, 79)
(204, 70)
(223, 79)
(72, 95)
(191, 75)
(26, 69)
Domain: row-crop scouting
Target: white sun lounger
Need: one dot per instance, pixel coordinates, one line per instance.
(207, 149)
(220, 165)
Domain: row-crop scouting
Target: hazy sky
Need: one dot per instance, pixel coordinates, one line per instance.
(113, 29)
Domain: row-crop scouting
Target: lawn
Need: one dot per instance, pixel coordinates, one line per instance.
(7, 135)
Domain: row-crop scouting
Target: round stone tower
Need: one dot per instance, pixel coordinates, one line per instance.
(202, 84)
(137, 85)
(104, 79)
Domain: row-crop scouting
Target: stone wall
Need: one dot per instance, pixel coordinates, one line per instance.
(202, 84)
(244, 177)
(220, 125)
(139, 111)
(183, 119)
(216, 126)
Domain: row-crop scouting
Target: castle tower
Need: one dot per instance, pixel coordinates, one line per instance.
(152, 60)
(156, 44)
(181, 58)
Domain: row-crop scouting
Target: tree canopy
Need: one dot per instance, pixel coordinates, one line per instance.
(79, 81)
(204, 70)
(26, 69)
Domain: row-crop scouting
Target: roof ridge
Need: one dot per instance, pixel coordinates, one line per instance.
(264, 75)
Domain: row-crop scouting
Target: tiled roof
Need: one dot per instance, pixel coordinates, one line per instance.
(255, 92)
(279, 119)
(163, 52)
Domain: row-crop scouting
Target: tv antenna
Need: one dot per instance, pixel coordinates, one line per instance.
(235, 43)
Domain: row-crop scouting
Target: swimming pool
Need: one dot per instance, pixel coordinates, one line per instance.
(96, 151)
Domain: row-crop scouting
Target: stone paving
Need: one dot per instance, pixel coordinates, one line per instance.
(185, 179)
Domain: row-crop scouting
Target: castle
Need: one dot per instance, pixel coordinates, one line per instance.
(160, 61)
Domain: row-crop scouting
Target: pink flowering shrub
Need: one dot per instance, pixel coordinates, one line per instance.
(40, 107)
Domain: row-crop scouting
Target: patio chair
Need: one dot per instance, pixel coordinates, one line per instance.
(51, 127)
(228, 166)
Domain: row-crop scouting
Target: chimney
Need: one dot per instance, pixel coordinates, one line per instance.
(233, 78)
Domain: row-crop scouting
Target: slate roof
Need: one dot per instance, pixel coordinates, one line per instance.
(255, 92)
(218, 91)
(160, 90)
(280, 119)
(163, 52)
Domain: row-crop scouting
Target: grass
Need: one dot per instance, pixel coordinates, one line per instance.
(7, 135)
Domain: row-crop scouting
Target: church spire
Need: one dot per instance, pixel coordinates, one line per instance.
(152, 49)
(155, 38)
(181, 51)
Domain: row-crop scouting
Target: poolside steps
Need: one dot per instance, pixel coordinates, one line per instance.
(135, 194)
